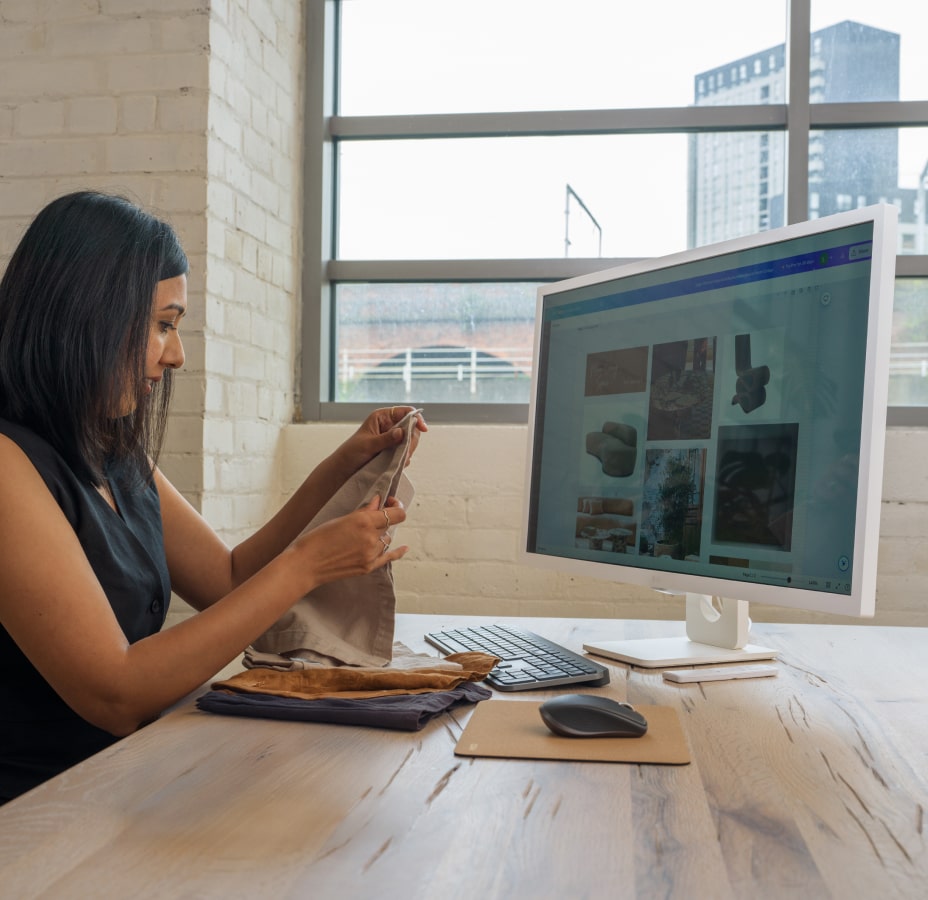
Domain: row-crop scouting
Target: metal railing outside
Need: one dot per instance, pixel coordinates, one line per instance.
(461, 364)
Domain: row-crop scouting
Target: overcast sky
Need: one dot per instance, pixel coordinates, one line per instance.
(507, 197)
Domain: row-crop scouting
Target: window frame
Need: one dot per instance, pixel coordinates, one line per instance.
(324, 129)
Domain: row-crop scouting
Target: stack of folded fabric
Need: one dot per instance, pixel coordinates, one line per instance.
(405, 694)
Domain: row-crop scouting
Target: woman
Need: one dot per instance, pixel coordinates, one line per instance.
(93, 537)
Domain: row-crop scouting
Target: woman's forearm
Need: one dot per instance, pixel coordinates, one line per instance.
(257, 550)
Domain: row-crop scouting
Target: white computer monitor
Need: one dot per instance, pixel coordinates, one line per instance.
(711, 423)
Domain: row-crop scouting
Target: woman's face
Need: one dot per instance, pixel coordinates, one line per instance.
(165, 350)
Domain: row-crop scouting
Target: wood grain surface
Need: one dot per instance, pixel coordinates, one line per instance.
(811, 784)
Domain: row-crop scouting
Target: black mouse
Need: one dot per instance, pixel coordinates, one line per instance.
(589, 715)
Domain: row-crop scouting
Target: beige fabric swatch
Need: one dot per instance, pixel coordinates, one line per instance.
(350, 621)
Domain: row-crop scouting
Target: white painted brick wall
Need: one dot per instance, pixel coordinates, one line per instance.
(463, 532)
(254, 130)
(113, 95)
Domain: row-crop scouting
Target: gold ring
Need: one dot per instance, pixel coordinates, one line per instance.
(392, 412)
(386, 517)
(386, 546)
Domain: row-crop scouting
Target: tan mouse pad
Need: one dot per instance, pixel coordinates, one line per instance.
(513, 729)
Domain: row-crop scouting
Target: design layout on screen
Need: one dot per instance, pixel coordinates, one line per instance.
(706, 418)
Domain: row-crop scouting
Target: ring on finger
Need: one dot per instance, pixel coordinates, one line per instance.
(385, 542)
(389, 523)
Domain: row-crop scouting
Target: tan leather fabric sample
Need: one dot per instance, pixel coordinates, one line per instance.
(347, 682)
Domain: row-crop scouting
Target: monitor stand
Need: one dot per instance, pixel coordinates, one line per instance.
(717, 630)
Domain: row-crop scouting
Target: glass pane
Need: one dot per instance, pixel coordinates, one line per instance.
(737, 186)
(434, 343)
(857, 167)
(423, 56)
(549, 197)
(865, 51)
(908, 363)
(472, 343)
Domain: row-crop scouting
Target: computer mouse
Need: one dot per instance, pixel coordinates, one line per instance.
(589, 715)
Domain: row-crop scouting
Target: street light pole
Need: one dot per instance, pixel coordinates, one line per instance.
(922, 220)
(572, 193)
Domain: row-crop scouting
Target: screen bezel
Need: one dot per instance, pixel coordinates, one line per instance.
(860, 602)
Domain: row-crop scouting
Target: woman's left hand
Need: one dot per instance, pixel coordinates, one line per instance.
(378, 432)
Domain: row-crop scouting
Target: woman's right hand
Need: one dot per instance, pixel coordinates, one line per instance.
(354, 544)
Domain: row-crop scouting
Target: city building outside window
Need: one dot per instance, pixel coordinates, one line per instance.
(458, 157)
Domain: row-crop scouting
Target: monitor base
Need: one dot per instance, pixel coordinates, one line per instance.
(717, 631)
(656, 653)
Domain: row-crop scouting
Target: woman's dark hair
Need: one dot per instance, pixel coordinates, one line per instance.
(75, 315)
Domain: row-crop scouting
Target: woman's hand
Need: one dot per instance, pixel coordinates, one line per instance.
(351, 545)
(378, 432)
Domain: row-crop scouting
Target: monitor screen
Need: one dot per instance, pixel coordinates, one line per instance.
(712, 422)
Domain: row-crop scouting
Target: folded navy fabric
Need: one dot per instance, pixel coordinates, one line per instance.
(403, 712)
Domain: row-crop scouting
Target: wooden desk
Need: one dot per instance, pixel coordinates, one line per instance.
(811, 784)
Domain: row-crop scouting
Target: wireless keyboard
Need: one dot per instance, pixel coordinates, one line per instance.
(527, 660)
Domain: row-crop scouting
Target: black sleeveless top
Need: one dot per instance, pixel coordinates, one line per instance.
(40, 735)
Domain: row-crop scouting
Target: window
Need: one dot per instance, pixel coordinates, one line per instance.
(454, 163)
